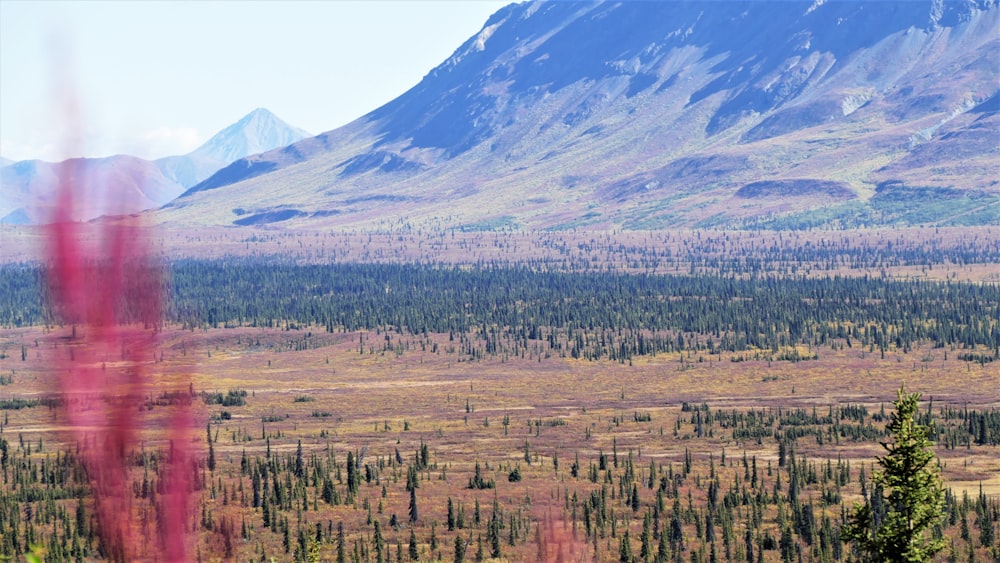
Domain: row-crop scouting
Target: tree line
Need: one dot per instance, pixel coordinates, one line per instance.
(512, 310)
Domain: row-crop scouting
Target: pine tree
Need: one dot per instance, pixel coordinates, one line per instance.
(414, 554)
(341, 556)
(413, 505)
(646, 540)
(352, 474)
(912, 494)
(211, 450)
(663, 549)
(299, 465)
(378, 542)
(625, 549)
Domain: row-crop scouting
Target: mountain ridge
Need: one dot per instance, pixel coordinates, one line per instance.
(27, 187)
(654, 115)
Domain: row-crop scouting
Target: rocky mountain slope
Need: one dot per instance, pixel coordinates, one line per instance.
(648, 115)
(126, 184)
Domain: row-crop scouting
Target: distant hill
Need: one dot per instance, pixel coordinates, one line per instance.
(649, 115)
(127, 184)
(101, 186)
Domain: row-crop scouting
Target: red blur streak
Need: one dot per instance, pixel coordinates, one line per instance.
(557, 541)
(104, 377)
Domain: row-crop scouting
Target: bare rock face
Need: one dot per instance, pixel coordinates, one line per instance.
(644, 115)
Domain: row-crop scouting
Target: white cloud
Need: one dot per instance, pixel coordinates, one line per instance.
(42, 145)
(53, 145)
(164, 141)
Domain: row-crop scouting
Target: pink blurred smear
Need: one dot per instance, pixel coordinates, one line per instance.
(105, 282)
(558, 542)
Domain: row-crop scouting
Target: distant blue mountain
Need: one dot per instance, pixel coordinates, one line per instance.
(27, 187)
(258, 131)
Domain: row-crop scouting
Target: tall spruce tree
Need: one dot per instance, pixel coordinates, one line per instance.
(414, 552)
(459, 549)
(211, 449)
(414, 516)
(911, 494)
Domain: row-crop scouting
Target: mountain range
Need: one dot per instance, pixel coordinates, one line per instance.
(28, 188)
(651, 115)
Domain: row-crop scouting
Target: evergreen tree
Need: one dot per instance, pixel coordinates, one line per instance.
(646, 540)
(341, 556)
(352, 474)
(663, 549)
(299, 465)
(413, 505)
(211, 449)
(378, 541)
(414, 554)
(625, 550)
(912, 494)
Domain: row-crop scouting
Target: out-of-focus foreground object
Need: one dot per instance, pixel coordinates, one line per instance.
(107, 290)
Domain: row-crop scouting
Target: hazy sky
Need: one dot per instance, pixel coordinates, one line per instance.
(159, 78)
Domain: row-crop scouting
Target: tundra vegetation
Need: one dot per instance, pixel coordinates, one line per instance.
(567, 397)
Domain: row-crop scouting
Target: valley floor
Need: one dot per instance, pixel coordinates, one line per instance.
(669, 428)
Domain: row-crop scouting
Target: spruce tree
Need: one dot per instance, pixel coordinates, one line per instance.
(625, 549)
(211, 449)
(413, 505)
(911, 494)
(341, 556)
(414, 553)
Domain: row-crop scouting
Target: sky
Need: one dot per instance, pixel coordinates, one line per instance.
(158, 78)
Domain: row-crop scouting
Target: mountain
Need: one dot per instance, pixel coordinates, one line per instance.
(259, 131)
(124, 184)
(646, 115)
(102, 186)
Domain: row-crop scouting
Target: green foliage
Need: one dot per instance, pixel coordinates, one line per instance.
(591, 314)
(478, 482)
(232, 398)
(908, 487)
(459, 550)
